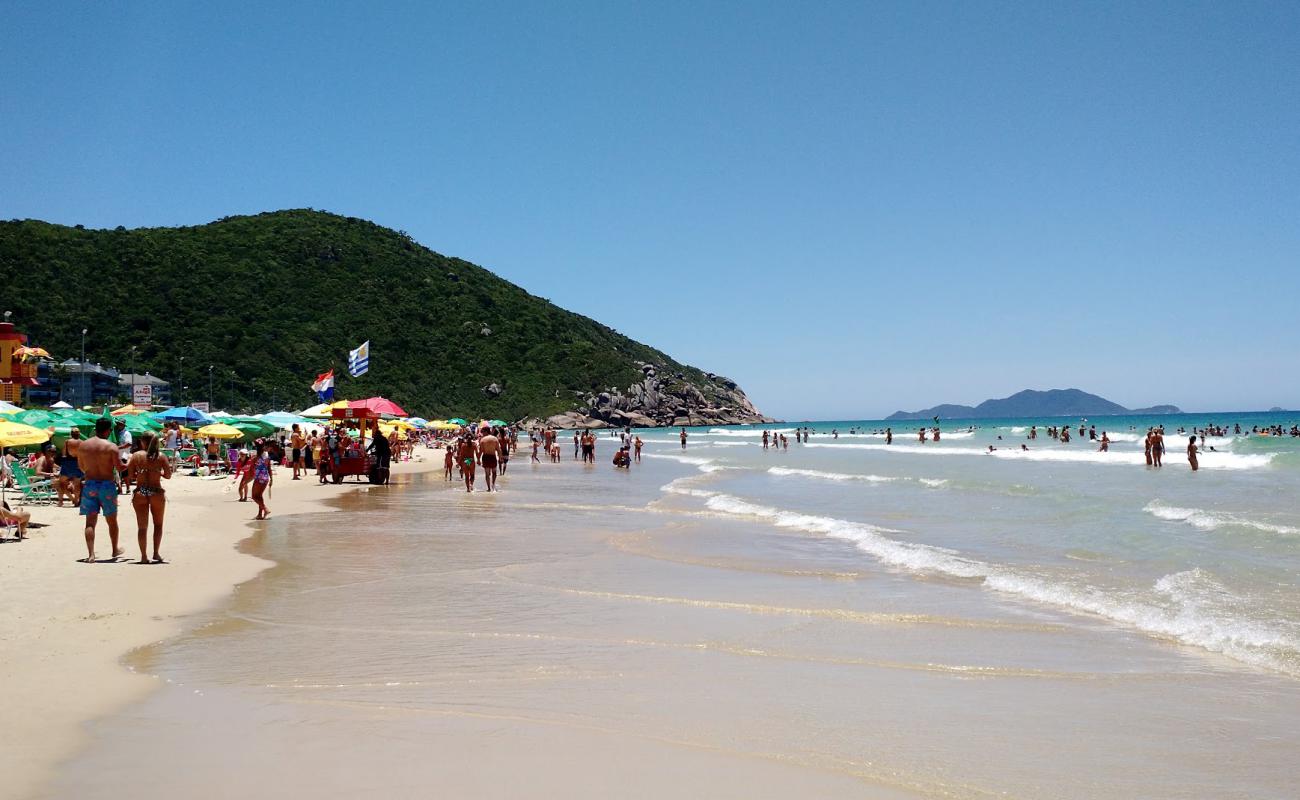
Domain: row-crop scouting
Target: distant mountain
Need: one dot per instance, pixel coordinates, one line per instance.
(1034, 403)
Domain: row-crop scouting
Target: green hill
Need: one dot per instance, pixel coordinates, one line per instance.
(281, 296)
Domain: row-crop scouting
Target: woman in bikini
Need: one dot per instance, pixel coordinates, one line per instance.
(147, 469)
(262, 480)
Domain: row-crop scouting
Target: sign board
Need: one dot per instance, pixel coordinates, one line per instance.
(142, 395)
(200, 407)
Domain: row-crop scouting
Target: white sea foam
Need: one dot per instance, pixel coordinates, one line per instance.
(830, 476)
(850, 476)
(1189, 607)
(1213, 520)
(1053, 452)
(682, 486)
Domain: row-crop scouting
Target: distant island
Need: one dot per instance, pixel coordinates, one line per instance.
(1034, 403)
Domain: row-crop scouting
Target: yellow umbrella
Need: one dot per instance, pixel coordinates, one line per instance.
(126, 410)
(220, 430)
(15, 434)
(444, 425)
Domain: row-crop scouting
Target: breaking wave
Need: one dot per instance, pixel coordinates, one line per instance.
(1213, 520)
(847, 476)
(1190, 607)
(1052, 452)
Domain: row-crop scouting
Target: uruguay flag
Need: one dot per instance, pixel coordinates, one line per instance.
(324, 386)
(359, 360)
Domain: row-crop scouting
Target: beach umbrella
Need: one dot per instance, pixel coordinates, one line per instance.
(61, 404)
(319, 411)
(140, 424)
(283, 419)
(183, 414)
(16, 434)
(251, 426)
(457, 421)
(7, 407)
(445, 425)
(31, 352)
(219, 415)
(124, 411)
(220, 430)
(497, 423)
(419, 422)
(379, 405)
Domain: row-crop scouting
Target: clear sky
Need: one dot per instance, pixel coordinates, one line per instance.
(849, 208)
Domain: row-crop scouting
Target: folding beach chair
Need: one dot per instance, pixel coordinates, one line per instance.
(33, 492)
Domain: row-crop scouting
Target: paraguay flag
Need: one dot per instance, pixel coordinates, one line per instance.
(324, 386)
(359, 360)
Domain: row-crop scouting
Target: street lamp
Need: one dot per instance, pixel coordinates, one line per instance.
(81, 376)
(209, 388)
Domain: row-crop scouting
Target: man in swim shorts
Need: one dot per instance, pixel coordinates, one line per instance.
(98, 459)
(489, 447)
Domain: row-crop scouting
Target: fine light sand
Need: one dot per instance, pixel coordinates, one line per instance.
(65, 625)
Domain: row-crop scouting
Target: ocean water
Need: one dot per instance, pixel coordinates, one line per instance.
(842, 618)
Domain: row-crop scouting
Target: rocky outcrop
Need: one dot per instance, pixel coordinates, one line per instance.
(662, 400)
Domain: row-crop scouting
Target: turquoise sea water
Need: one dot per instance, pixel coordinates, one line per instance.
(1208, 559)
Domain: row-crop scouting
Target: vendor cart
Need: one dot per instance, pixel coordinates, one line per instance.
(354, 460)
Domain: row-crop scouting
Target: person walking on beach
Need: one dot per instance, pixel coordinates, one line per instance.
(98, 460)
(577, 445)
(263, 478)
(296, 444)
(448, 460)
(465, 458)
(1191, 454)
(147, 469)
(70, 474)
(683, 437)
(489, 447)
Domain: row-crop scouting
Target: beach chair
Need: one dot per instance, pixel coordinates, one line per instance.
(33, 492)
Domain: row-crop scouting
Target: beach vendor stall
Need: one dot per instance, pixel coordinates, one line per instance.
(353, 459)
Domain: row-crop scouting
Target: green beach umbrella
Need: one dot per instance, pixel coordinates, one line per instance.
(458, 421)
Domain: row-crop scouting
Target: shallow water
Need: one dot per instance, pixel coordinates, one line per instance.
(836, 620)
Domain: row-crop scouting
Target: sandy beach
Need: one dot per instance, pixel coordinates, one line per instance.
(67, 625)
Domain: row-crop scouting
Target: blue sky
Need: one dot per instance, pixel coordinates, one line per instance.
(849, 208)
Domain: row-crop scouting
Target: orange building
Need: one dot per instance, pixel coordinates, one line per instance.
(15, 372)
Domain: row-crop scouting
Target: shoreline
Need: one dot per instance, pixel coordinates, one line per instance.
(64, 647)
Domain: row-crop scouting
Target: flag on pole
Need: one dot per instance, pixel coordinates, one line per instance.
(359, 360)
(324, 386)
